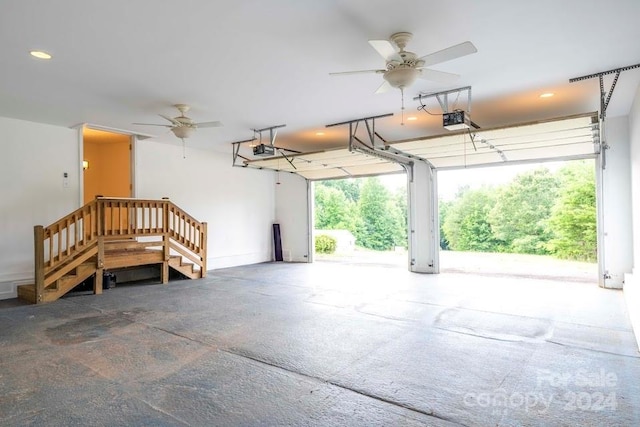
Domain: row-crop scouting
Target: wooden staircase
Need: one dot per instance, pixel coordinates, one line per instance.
(108, 234)
(60, 286)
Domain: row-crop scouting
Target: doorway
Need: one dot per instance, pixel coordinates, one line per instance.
(530, 220)
(361, 220)
(107, 164)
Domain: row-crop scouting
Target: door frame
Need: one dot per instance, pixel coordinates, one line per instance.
(133, 138)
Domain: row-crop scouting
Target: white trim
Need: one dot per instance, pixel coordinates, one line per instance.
(80, 168)
(600, 250)
(311, 220)
(521, 162)
(133, 160)
(435, 216)
(112, 130)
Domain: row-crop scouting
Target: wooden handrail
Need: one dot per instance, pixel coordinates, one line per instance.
(59, 245)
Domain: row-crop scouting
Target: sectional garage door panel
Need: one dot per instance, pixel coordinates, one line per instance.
(561, 138)
(329, 164)
(570, 137)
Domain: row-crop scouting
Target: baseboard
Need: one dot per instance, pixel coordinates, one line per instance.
(237, 260)
(632, 296)
(9, 290)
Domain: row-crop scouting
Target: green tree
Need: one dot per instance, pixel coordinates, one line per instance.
(443, 209)
(466, 226)
(350, 187)
(381, 227)
(400, 201)
(573, 217)
(522, 208)
(333, 211)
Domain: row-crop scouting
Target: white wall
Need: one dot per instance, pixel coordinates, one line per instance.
(292, 213)
(237, 203)
(616, 196)
(632, 281)
(34, 158)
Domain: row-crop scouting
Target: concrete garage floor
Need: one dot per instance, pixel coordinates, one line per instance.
(324, 344)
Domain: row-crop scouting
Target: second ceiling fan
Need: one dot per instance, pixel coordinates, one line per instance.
(182, 126)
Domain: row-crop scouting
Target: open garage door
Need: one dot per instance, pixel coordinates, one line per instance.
(572, 137)
(564, 138)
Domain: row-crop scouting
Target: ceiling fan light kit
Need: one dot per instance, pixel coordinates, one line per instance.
(182, 126)
(182, 132)
(401, 77)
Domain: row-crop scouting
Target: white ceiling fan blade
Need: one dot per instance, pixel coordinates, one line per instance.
(384, 87)
(215, 124)
(346, 73)
(172, 120)
(152, 124)
(453, 52)
(386, 50)
(437, 76)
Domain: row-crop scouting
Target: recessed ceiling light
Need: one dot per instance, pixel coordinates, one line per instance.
(40, 54)
(319, 133)
(412, 118)
(547, 95)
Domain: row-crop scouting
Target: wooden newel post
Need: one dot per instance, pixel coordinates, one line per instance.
(38, 244)
(166, 248)
(203, 244)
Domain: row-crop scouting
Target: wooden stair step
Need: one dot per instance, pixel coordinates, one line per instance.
(27, 293)
(70, 281)
(120, 258)
(186, 268)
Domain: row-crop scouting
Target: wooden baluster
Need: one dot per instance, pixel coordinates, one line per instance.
(50, 261)
(130, 218)
(67, 226)
(59, 236)
(172, 225)
(136, 222)
(79, 226)
(118, 218)
(99, 223)
(147, 218)
(157, 227)
(114, 224)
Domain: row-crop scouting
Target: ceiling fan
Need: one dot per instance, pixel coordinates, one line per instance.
(402, 67)
(182, 126)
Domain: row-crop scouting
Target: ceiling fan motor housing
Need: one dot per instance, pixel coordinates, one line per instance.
(401, 75)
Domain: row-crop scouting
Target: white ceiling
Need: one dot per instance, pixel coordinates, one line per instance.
(257, 63)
